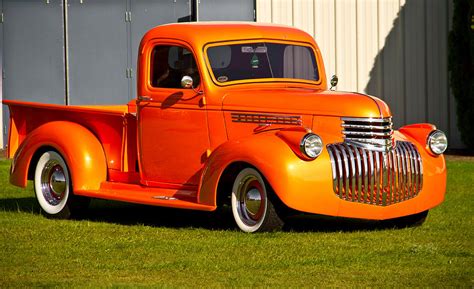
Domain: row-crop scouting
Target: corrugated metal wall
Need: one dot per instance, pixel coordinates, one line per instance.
(85, 52)
(392, 49)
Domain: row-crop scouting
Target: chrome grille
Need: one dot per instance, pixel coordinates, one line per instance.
(371, 133)
(373, 177)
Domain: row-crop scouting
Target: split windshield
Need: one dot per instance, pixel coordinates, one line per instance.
(262, 60)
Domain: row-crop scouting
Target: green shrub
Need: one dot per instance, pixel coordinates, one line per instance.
(461, 67)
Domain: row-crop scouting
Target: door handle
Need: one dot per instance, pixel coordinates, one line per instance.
(144, 98)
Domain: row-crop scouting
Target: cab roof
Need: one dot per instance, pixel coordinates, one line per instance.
(200, 33)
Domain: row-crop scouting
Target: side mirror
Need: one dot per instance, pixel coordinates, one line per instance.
(187, 82)
(334, 81)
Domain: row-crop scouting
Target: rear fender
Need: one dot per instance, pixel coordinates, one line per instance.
(79, 147)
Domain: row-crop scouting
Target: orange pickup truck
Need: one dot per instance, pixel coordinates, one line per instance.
(231, 114)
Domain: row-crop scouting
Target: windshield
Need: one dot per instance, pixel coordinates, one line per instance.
(262, 60)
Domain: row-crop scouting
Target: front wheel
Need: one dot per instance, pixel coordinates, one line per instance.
(252, 207)
(53, 189)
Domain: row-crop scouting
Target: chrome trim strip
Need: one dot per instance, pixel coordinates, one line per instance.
(379, 127)
(369, 133)
(368, 119)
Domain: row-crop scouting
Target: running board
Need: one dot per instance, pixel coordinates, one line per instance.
(174, 198)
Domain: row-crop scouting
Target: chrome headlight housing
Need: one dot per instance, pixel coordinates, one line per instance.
(437, 142)
(311, 145)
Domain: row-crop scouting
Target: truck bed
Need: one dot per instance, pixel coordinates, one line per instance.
(113, 125)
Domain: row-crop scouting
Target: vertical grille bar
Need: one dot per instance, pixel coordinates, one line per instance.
(372, 177)
(346, 175)
(365, 176)
(340, 176)
(400, 174)
(360, 176)
(353, 172)
(376, 177)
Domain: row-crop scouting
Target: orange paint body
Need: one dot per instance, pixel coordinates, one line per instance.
(171, 146)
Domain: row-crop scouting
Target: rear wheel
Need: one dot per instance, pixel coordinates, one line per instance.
(252, 207)
(53, 189)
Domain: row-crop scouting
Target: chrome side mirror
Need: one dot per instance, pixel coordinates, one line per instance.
(334, 81)
(187, 82)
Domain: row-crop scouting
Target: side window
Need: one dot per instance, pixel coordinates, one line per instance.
(169, 64)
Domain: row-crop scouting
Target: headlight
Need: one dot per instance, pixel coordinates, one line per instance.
(437, 142)
(311, 145)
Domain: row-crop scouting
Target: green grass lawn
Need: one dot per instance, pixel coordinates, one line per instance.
(126, 245)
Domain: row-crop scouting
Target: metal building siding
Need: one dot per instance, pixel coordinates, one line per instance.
(33, 51)
(101, 44)
(147, 14)
(325, 32)
(392, 49)
(346, 36)
(219, 10)
(3, 128)
(98, 52)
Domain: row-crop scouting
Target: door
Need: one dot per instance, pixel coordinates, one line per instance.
(98, 51)
(172, 123)
(33, 55)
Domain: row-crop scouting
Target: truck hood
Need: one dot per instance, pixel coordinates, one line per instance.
(305, 101)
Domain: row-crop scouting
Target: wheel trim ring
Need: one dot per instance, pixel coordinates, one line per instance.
(248, 183)
(52, 196)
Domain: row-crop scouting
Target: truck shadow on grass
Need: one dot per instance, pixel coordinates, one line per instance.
(133, 214)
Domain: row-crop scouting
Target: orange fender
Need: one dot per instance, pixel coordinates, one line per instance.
(418, 132)
(297, 182)
(80, 149)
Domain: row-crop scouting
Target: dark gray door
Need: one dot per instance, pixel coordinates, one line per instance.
(226, 10)
(147, 14)
(3, 135)
(98, 52)
(33, 56)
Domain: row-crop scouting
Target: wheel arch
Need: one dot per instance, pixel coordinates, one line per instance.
(35, 158)
(258, 152)
(81, 150)
(226, 180)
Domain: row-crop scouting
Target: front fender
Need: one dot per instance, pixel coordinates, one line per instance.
(81, 150)
(294, 180)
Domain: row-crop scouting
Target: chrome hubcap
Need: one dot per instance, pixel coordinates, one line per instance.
(251, 200)
(53, 182)
(57, 181)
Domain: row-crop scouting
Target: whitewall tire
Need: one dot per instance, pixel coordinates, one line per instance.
(252, 207)
(52, 185)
